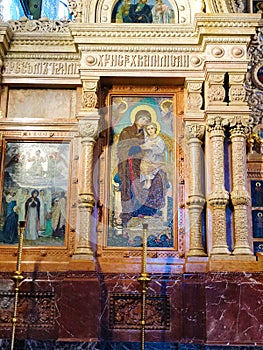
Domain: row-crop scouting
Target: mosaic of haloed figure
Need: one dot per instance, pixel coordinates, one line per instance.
(143, 11)
(142, 160)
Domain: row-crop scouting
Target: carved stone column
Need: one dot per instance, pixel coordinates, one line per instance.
(239, 129)
(219, 197)
(88, 130)
(194, 134)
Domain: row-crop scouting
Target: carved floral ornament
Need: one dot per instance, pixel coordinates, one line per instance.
(254, 77)
(75, 9)
(88, 129)
(194, 131)
(239, 125)
(216, 93)
(217, 123)
(41, 25)
(89, 100)
(238, 94)
(90, 85)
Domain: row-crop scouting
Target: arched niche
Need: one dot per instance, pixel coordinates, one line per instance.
(184, 10)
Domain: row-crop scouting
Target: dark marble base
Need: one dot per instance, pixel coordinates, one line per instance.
(53, 345)
(88, 310)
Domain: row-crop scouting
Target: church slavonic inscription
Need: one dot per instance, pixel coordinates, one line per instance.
(40, 68)
(138, 61)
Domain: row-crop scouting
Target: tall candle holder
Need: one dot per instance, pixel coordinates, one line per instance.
(144, 280)
(17, 278)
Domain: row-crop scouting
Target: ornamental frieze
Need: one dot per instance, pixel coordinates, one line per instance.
(141, 60)
(41, 25)
(40, 68)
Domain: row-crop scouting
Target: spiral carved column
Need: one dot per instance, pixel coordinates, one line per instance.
(88, 130)
(194, 134)
(240, 197)
(219, 197)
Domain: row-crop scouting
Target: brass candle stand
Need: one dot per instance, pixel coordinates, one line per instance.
(17, 278)
(144, 280)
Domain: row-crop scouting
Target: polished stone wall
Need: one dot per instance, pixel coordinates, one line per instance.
(53, 345)
(223, 309)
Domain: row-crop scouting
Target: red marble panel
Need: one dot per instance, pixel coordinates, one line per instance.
(234, 309)
(79, 309)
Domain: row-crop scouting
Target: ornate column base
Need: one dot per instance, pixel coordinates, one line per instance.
(196, 264)
(220, 250)
(242, 250)
(83, 250)
(83, 253)
(218, 200)
(196, 204)
(196, 252)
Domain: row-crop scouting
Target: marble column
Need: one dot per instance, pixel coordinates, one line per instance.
(239, 129)
(88, 118)
(194, 133)
(218, 198)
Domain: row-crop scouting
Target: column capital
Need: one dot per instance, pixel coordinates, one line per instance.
(194, 131)
(239, 126)
(218, 198)
(88, 129)
(216, 124)
(240, 196)
(86, 200)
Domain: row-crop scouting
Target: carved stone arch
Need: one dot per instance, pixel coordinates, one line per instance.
(234, 6)
(225, 6)
(100, 11)
(184, 10)
(91, 12)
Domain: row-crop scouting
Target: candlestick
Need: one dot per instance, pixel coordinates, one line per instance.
(17, 278)
(144, 247)
(144, 280)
